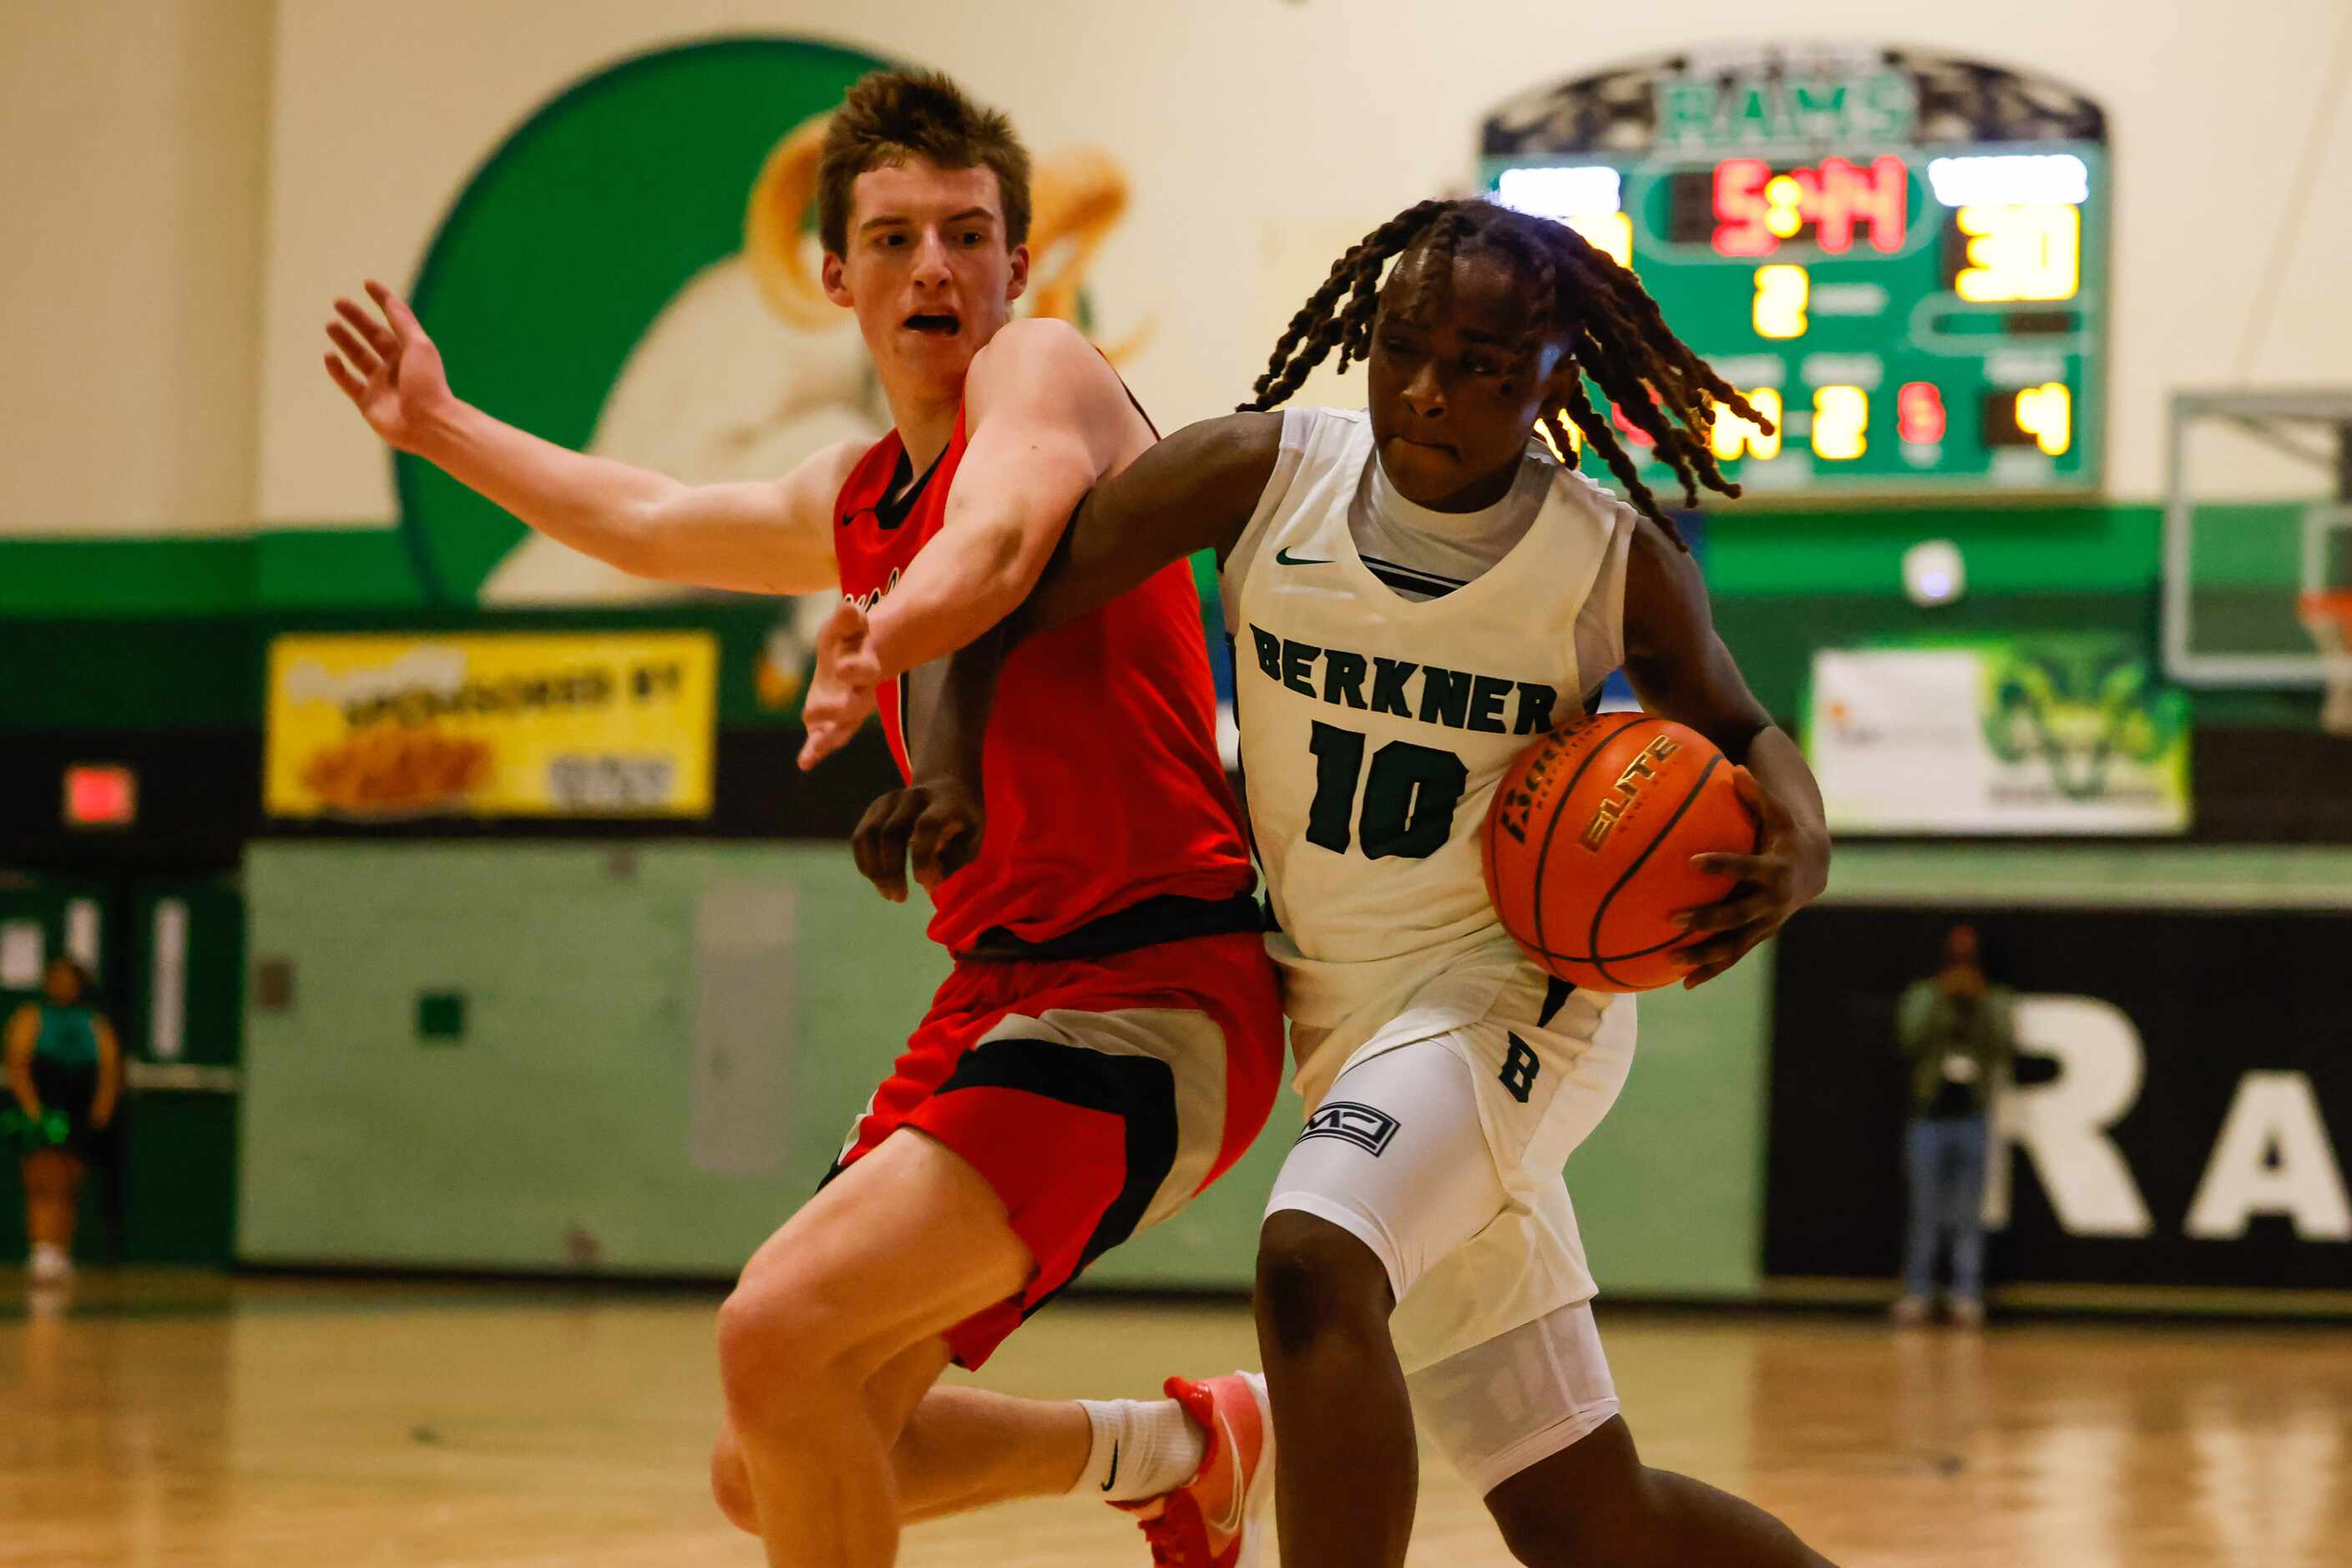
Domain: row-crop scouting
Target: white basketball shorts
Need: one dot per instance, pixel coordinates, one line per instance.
(1443, 1156)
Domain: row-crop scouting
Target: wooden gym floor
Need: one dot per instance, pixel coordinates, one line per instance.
(202, 1423)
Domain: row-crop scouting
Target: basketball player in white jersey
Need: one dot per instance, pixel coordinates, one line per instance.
(1415, 592)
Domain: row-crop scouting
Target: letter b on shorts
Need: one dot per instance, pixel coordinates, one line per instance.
(1519, 1069)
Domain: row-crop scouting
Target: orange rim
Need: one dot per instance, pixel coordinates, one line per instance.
(2333, 605)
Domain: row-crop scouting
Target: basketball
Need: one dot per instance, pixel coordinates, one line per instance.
(1589, 848)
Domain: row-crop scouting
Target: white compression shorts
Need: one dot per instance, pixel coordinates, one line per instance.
(1398, 1157)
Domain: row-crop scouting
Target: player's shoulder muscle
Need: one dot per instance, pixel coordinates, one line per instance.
(809, 491)
(1044, 370)
(832, 465)
(1038, 347)
(1667, 610)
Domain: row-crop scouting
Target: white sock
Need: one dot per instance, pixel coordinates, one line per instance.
(1142, 1448)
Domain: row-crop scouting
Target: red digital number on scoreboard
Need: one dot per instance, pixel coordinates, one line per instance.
(1919, 412)
(1757, 207)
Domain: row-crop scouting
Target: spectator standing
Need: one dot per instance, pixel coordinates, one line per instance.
(1958, 1031)
(65, 1073)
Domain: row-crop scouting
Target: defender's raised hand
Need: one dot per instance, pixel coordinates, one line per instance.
(389, 368)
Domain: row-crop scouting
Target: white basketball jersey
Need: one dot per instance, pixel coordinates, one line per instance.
(1374, 728)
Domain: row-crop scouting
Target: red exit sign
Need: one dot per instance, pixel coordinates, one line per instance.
(101, 795)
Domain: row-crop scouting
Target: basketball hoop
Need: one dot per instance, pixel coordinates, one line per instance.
(2328, 619)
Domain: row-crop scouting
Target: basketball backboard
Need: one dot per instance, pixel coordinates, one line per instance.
(2257, 534)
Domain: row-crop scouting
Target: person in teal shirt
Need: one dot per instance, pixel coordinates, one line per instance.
(65, 1072)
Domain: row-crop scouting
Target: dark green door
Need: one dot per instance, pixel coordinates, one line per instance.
(177, 1166)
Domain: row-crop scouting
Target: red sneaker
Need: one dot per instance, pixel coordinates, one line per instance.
(1211, 1521)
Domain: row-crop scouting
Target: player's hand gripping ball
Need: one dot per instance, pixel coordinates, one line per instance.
(1589, 848)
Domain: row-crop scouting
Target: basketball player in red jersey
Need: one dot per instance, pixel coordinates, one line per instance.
(1110, 1038)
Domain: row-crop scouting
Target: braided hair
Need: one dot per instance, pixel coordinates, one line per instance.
(1615, 335)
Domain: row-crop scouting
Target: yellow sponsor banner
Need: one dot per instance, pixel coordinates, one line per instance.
(381, 728)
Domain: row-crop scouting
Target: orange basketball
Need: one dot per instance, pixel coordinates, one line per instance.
(1588, 846)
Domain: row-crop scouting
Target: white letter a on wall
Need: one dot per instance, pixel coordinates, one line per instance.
(2273, 1157)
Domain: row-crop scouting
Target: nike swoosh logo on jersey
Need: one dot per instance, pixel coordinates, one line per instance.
(1283, 557)
(1229, 1522)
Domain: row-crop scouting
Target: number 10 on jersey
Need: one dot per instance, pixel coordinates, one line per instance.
(1409, 795)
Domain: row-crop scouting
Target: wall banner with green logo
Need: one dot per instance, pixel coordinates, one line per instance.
(2062, 735)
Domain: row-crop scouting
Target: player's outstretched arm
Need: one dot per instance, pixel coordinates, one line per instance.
(1193, 492)
(764, 537)
(1045, 416)
(1680, 669)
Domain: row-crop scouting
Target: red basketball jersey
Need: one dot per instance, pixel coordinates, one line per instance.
(1100, 762)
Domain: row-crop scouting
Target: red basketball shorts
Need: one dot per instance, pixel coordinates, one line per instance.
(1096, 1095)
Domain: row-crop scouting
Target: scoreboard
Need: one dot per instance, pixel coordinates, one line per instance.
(1901, 266)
